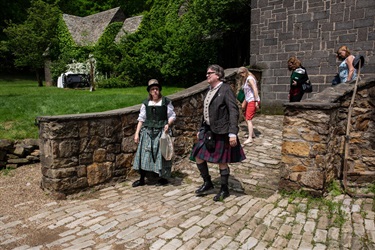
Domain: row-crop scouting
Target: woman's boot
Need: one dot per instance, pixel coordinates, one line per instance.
(141, 181)
(224, 190)
(207, 184)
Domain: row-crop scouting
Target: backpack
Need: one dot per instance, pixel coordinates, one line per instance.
(357, 59)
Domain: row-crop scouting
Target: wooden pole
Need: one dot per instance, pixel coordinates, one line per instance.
(347, 143)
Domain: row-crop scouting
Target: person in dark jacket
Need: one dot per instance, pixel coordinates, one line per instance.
(217, 137)
(297, 78)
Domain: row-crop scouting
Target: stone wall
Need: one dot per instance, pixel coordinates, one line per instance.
(314, 138)
(82, 151)
(313, 31)
(14, 154)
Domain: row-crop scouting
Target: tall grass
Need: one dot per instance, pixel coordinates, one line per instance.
(21, 101)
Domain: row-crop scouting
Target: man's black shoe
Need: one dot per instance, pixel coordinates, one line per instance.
(207, 185)
(224, 193)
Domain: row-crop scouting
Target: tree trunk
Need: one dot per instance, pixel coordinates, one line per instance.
(39, 78)
(47, 73)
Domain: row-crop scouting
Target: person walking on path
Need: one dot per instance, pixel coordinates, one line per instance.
(297, 78)
(217, 137)
(252, 100)
(156, 115)
(347, 72)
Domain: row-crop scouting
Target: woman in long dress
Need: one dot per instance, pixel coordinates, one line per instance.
(156, 115)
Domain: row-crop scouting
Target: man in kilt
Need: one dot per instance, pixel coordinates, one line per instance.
(156, 115)
(217, 136)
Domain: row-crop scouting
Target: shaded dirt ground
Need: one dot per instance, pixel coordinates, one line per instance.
(20, 191)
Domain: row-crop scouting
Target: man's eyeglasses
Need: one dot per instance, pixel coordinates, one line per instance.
(209, 73)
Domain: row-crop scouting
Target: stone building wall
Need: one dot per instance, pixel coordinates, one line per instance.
(314, 133)
(312, 30)
(82, 151)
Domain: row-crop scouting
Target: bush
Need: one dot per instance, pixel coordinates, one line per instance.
(113, 83)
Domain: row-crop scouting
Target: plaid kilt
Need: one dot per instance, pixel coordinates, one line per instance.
(147, 147)
(223, 153)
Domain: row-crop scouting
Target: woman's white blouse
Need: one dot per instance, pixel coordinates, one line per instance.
(170, 110)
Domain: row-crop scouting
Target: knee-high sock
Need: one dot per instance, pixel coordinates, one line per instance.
(224, 176)
(203, 169)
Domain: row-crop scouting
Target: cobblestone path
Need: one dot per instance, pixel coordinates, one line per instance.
(255, 216)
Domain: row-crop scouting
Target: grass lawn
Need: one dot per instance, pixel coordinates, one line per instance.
(21, 101)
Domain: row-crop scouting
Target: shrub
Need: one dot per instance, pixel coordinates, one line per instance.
(112, 83)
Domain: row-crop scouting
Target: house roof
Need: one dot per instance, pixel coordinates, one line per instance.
(87, 30)
(130, 26)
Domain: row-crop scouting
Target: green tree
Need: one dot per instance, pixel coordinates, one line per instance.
(86, 7)
(30, 40)
(12, 10)
(178, 39)
(106, 51)
(15, 11)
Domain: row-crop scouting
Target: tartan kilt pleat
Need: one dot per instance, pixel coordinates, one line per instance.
(147, 148)
(223, 153)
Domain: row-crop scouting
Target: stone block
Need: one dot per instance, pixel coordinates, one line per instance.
(313, 179)
(19, 161)
(11, 166)
(287, 185)
(59, 173)
(81, 171)
(298, 168)
(19, 151)
(311, 137)
(128, 145)
(31, 158)
(124, 161)
(100, 155)
(363, 23)
(318, 149)
(6, 145)
(99, 173)
(85, 158)
(68, 148)
(114, 148)
(350, 38)
(296, 177)
(297, 148)
(77, 184)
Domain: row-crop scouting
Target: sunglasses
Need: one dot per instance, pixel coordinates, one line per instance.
(209, 73)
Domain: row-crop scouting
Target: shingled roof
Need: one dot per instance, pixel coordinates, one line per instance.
(87, 30)
(130, 25)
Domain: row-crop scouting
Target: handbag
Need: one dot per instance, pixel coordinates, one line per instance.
(166, 146)
(307, 87)
(241, 95)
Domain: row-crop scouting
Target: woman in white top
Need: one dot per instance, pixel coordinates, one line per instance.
(252, 100)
